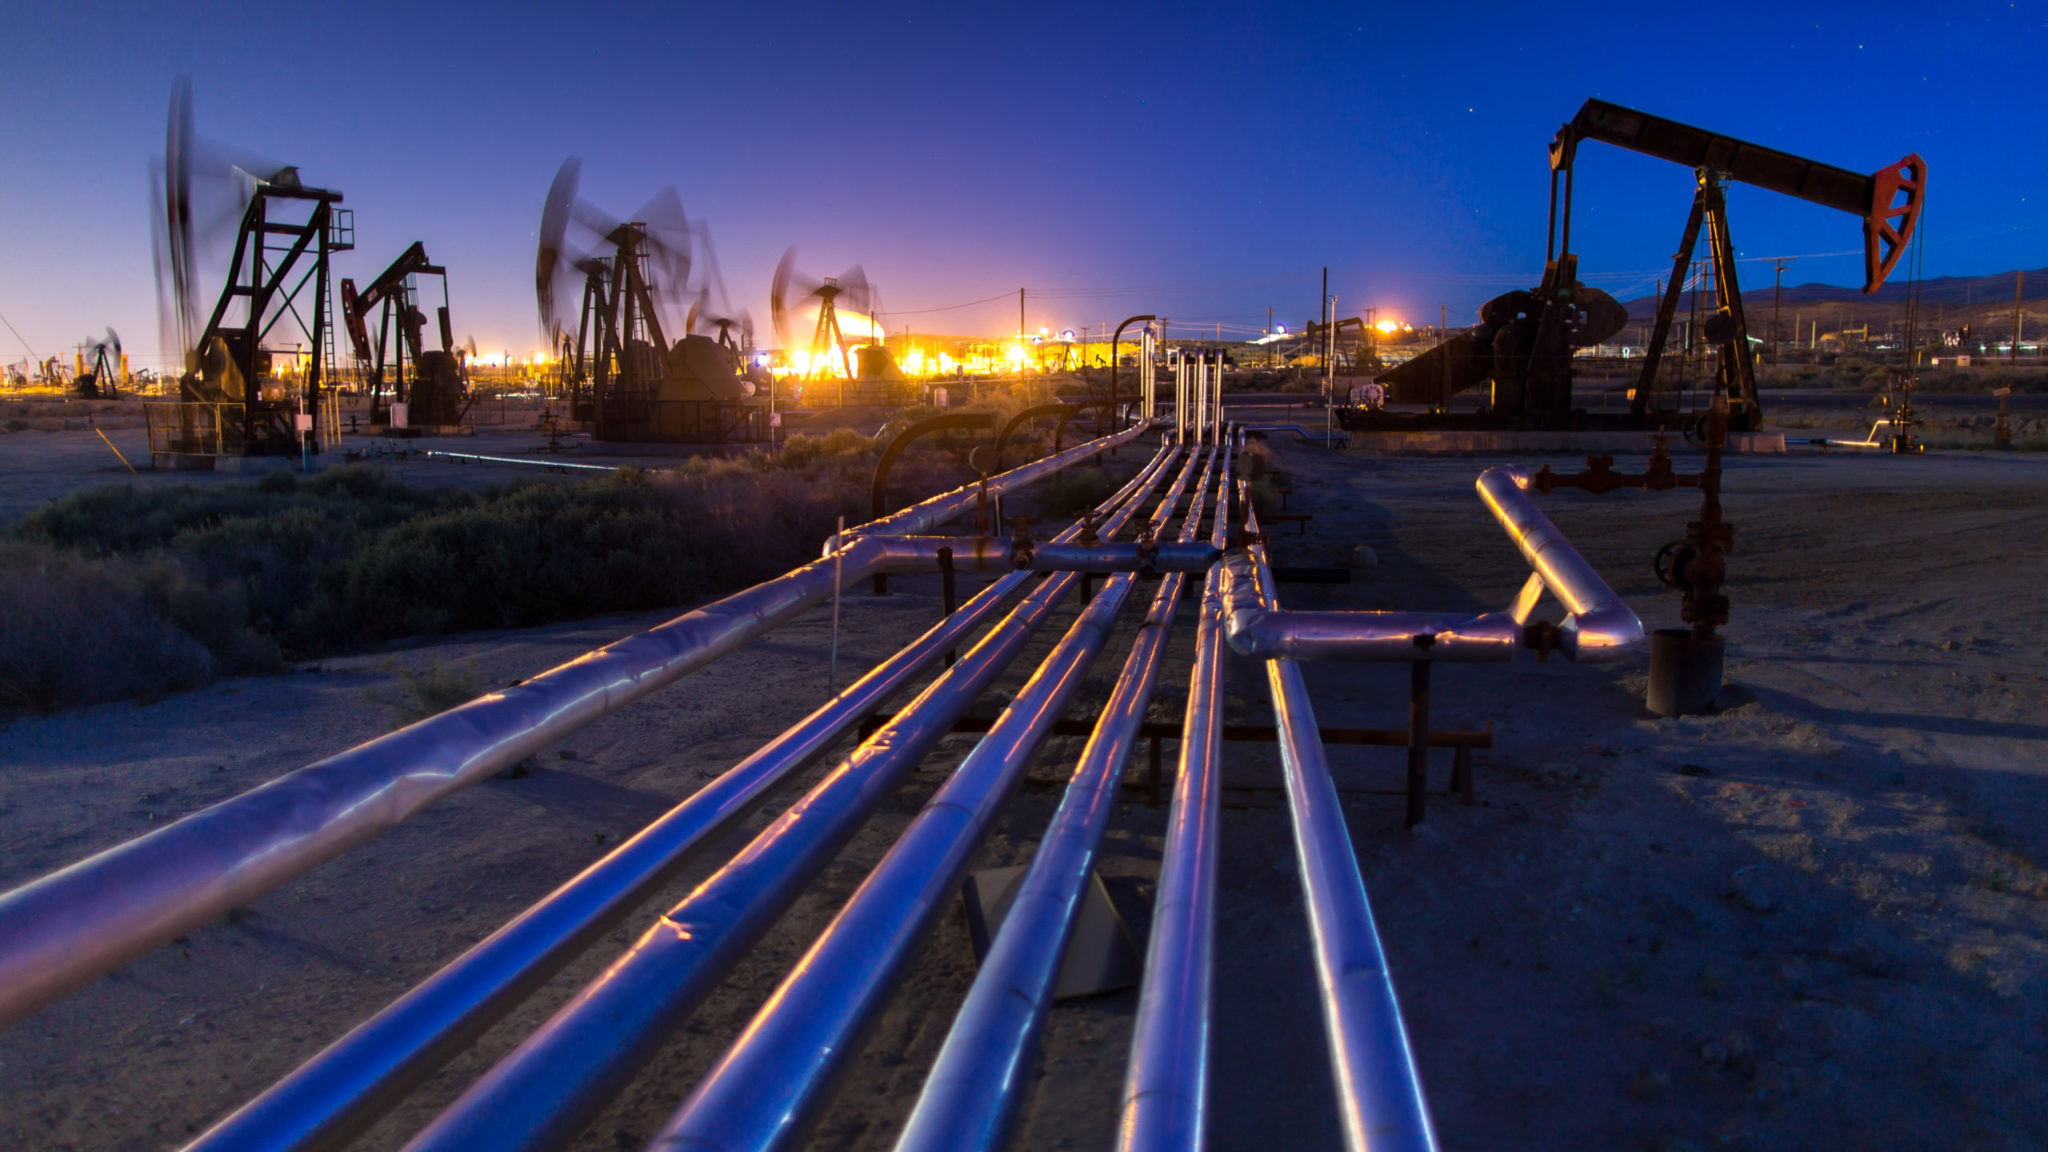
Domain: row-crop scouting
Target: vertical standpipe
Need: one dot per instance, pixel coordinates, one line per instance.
(1147, 375)
(1219, 398)
(1180, 396)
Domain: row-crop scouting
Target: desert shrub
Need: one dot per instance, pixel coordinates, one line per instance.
(531, 553)
(803, 452)
(129, 591)
(762, 526)
(1266, 495)
(431, 691)
(76, 630)
(124, 519)
(1071, 491)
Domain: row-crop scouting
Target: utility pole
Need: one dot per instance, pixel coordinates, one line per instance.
(1020, 313)
(2019, 281)
(1329, 366)
(1778, 299)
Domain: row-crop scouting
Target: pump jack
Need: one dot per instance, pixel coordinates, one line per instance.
(276, 285)
(434, 395)
(1888, 201)
(1525, 340)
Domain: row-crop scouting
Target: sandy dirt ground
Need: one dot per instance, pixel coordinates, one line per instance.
(1818, 919)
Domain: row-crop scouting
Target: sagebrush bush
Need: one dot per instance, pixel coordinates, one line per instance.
(803, 452)
(528, 554)
(1071, 491)
(178, 583)
(432, 691)
(75, 630)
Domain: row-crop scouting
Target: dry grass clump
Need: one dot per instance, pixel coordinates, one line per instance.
(1852, 372)
(76, 630)
(123, 592)
(1071, 491)
(432, 690)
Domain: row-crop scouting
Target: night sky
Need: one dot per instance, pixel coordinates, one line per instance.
(1200, 162)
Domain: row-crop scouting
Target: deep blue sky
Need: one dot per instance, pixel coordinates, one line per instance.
(1198, 161)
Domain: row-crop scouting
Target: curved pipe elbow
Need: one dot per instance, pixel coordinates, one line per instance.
(1598, 625)
(1605, 633)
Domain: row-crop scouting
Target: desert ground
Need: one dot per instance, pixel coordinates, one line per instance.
(1816, 919)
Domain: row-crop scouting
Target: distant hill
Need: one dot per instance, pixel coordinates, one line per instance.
(1946, 300)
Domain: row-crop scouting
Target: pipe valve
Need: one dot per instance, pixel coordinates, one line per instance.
(1020, 544)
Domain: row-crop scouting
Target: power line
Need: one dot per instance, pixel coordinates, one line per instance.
(24, 342)
(949, 307)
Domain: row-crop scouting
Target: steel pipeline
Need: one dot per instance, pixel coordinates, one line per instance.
(1166, 1084)
(336, 1094)
(1599, 626)
(1379, 1091)
(540, 1095)
(997, 554)
(340, 1091)
(66, 929)
(1317, 438)
(765, 1089)
(981, 1072)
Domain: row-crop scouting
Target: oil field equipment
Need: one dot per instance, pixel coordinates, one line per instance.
(435, 392)
(233, 399)
(626, 380)
(108, 365)
(1525, 340)
(712, 313)
(865, 363)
